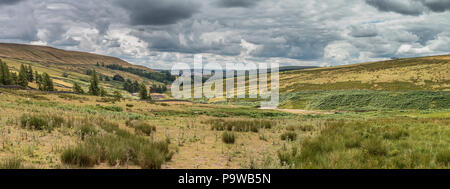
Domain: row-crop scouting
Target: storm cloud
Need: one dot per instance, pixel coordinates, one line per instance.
(157, 12)
(237, 3)
(159, 33)
(410, 7)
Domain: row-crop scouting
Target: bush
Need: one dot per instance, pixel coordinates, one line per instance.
(291, 136)
(228, 137)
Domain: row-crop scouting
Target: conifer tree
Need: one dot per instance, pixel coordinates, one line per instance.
(93, 87)
(47, 83)
(143, 94)
(23, 78)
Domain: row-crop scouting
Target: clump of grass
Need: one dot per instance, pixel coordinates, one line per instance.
(443, 157)
(240, 125)
(12, 163)
(87, 130)
(33, 122)
(395, 134)
(119, 148)
(82, 155)
(41, 121)
(375, 147)
(290, 136)
(228, 137)
(144, 128)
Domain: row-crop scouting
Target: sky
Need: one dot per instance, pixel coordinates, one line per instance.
(160, 33)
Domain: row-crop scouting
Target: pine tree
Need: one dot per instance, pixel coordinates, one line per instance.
(5, 74)
(93, 87)
(14, 78)
(23, 78)
(30, 74)
(77, 88)
(143, 92)
(47, 83)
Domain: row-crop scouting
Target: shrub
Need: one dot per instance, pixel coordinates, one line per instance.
(291, 136)
(228, 137)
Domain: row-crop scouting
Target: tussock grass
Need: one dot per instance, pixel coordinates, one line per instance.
(228, 137)
(120, 148)
(41, 121)
(290, 136)
(240, 125)
(11, 163)
(376, 143)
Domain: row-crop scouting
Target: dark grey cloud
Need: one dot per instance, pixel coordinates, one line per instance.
(157, 12)
(410, 7)
(9, 2)
(406, 7)
(237, 3)
(437, 5)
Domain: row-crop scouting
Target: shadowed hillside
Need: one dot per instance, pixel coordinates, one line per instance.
(57, 57)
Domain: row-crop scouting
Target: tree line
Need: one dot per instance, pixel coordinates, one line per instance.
(163, 76)
(24, 77)
(96, 89)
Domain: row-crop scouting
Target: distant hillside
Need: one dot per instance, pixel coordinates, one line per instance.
(424, 73)
(57, 57)
(69, 67)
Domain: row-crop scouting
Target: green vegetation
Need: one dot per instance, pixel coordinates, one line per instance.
(375, 143)
(228, 137)
(289, 135)
(163, 76)
(366, 100)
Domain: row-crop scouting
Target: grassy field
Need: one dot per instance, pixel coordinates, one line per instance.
(390, 114)
(45, 130)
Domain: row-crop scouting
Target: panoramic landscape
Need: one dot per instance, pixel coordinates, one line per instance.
(388, 114)
(353, 84)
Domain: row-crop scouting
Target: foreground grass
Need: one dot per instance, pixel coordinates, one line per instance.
(44, 130)
(380, 143)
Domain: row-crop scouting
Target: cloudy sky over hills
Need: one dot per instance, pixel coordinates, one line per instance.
(158, 33)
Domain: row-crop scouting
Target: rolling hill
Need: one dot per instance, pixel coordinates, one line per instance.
(67, 67)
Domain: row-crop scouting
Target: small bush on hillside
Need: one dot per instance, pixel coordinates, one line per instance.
(228, 137)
